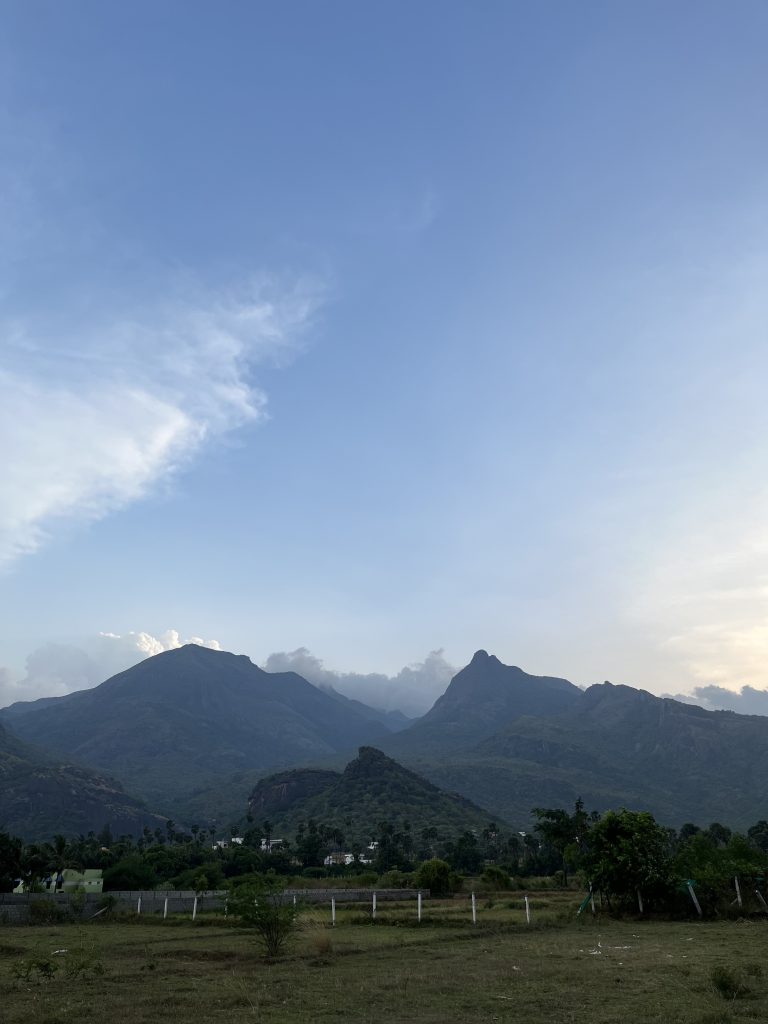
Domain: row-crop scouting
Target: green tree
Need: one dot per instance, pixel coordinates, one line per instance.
(566, 833)
(465, 854)
(132, 872)
(10, 861)
(435, 875)
(628, 851)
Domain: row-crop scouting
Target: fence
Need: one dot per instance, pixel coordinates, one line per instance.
(14, 907)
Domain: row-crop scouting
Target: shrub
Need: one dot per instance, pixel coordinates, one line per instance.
(395, 880)
(47, 912)
(313, 872)
(496, 878)
(35, 968)
(132, 872)
(258, 906)
(435, 875)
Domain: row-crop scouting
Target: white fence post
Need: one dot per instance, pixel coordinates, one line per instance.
(194, 909)
(527, 910)
(738, 890)
(165, 908)
(138, 906)
(474, 909)
(418, 906)
(639, 901)
(693, 897)
(333, 912)
(373, 908)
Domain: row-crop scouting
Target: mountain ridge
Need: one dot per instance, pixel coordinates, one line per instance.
(184, 718)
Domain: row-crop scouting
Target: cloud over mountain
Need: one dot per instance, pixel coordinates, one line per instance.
(413, 690)
(746, 701)
(58, 668)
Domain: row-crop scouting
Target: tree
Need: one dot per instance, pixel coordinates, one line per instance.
(465, 854)
(132, 872)
(564, 832)
(259, 907)
(628, 851)
(435, 875)
(758, 835)
(10, 861)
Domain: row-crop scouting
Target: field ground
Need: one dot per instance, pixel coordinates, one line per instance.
(445, 971)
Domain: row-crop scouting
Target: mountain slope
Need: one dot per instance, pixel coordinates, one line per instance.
(372, 788)
(480, 699)
(620, 746)
(187, 717)
(41, 796)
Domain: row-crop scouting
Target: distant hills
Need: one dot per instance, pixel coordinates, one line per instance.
(511, 741)
(192, 731)
(192, 717)
(372, 788)
(41, 795)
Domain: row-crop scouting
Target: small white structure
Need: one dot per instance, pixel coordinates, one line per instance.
(344, 859)
(270, 845)
(224, 844)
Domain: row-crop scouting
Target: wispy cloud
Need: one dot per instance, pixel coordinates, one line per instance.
(93, 416)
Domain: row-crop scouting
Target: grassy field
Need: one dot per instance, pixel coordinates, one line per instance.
(444, 971)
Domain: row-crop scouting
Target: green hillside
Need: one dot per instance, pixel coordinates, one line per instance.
(372, 788)
(40, 796)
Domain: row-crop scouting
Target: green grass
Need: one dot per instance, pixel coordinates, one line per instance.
(441, 972)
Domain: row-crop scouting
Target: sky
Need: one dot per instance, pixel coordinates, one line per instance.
(368, 335)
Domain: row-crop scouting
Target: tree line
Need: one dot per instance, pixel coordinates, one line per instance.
(620, 854)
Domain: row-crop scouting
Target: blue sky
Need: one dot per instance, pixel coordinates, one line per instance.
(378, 329)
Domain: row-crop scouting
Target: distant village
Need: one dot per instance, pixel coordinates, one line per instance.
(337, 858)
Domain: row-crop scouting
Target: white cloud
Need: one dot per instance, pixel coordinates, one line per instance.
(91, 419)
(58, 668)
(55, 669)
(413, 690)
(746, 701)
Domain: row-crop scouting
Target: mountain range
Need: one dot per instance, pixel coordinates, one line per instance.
(192, 731)
(552, 743)
(193, 716)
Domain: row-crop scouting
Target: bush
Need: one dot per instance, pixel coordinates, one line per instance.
(132, 872)
(259, 907)
(47, 912)
(395, 880)
(435, 875)
(496, 878)
(34, 968)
